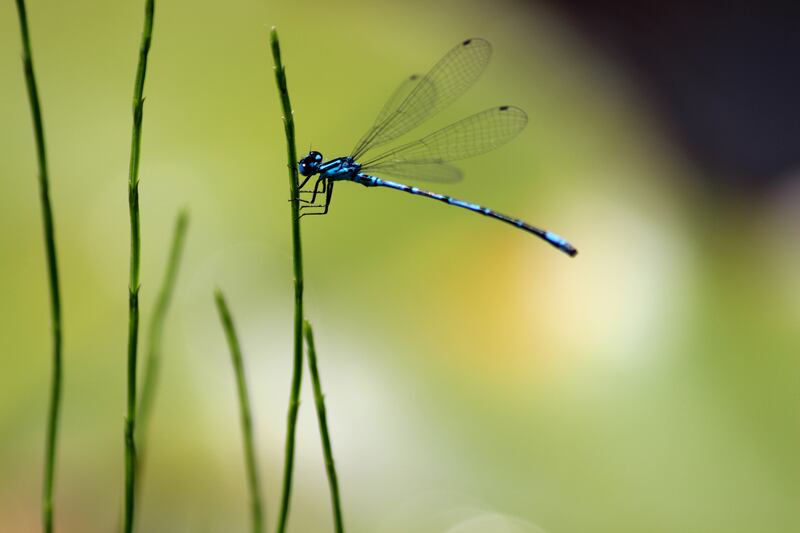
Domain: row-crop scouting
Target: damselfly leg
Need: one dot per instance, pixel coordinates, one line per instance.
(318, 188)
(328, 189)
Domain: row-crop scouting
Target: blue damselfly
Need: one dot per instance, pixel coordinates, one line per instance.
(426, 159)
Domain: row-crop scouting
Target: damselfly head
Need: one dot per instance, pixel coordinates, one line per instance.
(309, 165)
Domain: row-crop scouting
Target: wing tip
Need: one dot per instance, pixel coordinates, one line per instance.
(476, 40)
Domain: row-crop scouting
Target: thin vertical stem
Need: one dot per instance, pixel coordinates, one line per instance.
(133, 285)
(297, 255)
(322, 418)
(256, 516)
(52, 270)
(152, 363)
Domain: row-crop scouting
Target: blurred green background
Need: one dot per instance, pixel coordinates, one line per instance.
(476, 379)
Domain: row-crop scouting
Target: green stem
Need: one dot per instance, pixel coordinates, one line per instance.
(297, 371)
(52, 270)
(152, 363)
(133, 286)
(322, 418)
(256, 516)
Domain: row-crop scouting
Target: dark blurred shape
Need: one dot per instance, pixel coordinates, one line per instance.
(726, 77)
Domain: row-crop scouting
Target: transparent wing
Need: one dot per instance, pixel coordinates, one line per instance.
(400, 94)
(441, 86)
(474, 135)
(424, 99)
(415, 170)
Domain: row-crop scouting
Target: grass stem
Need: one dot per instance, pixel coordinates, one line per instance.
(297, 256)
(54, 407)
(152, 364)
(322, 418)
(256, 514)
(133, 285)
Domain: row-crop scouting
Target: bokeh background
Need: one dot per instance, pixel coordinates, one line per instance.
(477, 380)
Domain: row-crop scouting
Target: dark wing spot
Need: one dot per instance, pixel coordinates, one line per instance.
(465, 43)
(503, 107)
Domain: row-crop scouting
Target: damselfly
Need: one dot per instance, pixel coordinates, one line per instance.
(427, 159)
